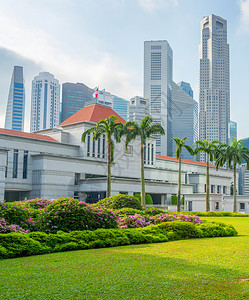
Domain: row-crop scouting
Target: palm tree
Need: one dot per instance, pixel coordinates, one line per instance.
(233, 155)
(143, 130)
(110, 128)
(180, 143)
(210, 148)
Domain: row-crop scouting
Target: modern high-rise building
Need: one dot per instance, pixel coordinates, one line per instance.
(214, 81)
(158, 75)
(74, 97)
(232, 132)
(120, 106)
(139, 108)
(186, 87)
(184, 119)
(16, 101)
(45, 102)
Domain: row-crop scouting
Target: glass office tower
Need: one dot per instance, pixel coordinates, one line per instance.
(16, 101)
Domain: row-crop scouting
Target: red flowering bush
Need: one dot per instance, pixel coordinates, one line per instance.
(5, 228)
(135, 221)
(68, 214)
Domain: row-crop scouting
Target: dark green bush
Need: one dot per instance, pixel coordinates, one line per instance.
(148, 199)
(183, 230)
(153, 211)
(120, 201)
(173, 200)
(20, 244)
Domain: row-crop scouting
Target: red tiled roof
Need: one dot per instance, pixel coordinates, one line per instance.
(184, 160)
(92, 113)
(27, 135)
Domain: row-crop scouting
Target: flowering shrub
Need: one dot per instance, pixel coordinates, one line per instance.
(119, 201)
(38, 203)
(4, 228)
(135, 221)
(189, 218)
(163, 218)
(68, 214)
(14, 213)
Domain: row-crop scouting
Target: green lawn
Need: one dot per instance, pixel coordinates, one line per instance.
(215, 268)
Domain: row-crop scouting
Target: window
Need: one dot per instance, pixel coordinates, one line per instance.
(6, 168)
(218, 189)
(93, 149)
(98, 147)
(103, 150)
(216, 205)
(25, 165)
(212, 188)
(148, 153)
(88, 145)
(76, 178)
(242, 206)
(15, 163)
(152, 154)
(224, 190)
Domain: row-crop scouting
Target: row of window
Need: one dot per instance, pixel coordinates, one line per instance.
(15, 165)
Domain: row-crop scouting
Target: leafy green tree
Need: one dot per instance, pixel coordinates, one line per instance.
(144, 130)
(112, 129)
(233, 155)
(180, 144)
(211, 149)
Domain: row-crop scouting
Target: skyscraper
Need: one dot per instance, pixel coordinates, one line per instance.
(74, 97)
(214, 82)
(16, 101)
(120, 106)
(158, 74)
(232, 132)
(187, 88)
(45, 102)
(184, 118)
(139, 108)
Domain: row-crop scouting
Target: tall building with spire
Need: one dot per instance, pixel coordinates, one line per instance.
(158, 76)
(214, 81)
(45, 102)
(16, 101)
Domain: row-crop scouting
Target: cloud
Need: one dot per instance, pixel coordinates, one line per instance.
(244, 17)
(39, 46)
(151, 5)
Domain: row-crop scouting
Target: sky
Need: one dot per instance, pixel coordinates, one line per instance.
(100, 43)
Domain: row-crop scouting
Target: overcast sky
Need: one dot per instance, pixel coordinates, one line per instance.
(100, 43)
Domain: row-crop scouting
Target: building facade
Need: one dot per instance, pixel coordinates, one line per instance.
(139, 108)
(45, 102)
(53, 162)
(214, 81)
(187, 88)
(158, 75)
(15, 111)
(120, 106)
(184, 119)
(74, 97)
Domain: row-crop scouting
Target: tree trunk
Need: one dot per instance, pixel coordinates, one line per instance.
(142, 177)
(179, 184)
(234, 189)
(207, 185)
(109, 150)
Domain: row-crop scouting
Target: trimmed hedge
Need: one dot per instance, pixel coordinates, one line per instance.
(21, 244)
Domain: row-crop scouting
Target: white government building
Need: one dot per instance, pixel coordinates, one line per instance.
(53, 162)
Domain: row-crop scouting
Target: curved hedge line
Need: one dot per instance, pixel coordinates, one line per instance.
(26, 244)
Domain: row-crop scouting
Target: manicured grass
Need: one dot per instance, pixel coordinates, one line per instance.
(190, 269)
